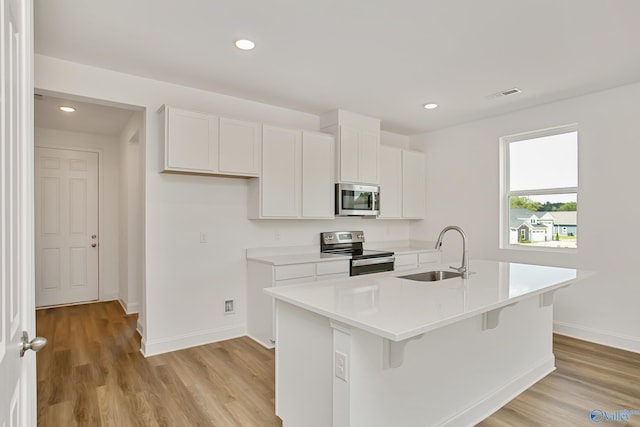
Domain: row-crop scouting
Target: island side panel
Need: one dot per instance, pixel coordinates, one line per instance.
(454, 376)
(304, 370)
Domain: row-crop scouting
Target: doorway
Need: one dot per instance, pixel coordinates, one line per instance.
(115, 134)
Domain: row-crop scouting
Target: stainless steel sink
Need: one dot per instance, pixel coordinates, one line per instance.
(432, 276)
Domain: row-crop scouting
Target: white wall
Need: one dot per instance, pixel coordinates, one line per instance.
(131, 238)
(108, 149)
(185, 281)
(463, 189)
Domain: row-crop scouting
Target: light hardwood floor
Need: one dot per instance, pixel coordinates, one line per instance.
(92, 374)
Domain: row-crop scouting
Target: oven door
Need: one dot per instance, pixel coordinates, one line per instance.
(357, 200)
(371, 265)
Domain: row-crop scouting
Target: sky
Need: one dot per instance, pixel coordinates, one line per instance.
(546, 162)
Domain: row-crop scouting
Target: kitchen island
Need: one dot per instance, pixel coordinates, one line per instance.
(381, 350)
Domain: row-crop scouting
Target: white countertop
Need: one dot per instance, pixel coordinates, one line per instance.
(303, 254)
(398, 309)
(300, 258)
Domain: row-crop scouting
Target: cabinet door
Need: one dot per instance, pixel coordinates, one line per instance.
(368, 157)
(405, 261)
(239, 147)
(390, 182)
(191, 141)
(348, 155)
(280, 179)
(413, 184)
(317, 175)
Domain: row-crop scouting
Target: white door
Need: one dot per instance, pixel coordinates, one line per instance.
(17, 308)
(66, 225)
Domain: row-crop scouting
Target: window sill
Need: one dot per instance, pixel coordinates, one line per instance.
(539, 249)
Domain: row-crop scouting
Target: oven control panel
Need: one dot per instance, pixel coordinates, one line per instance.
(337, 237)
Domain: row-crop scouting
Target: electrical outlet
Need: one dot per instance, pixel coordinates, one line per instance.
(340, 366)
(228, 307)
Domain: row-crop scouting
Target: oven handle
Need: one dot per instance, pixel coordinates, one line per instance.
(372, 261)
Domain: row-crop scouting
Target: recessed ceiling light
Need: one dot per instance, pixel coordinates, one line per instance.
(67, 109)
(430, 106)
(245, 44)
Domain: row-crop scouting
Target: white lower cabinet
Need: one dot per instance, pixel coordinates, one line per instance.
(431, 257)
(405, 261)
(297, 175)
(412, 260)
(260, 307)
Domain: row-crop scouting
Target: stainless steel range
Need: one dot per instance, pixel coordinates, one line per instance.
(350, 243)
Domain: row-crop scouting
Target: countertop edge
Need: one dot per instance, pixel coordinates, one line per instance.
(273, 292)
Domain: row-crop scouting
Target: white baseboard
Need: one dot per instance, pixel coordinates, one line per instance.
(269, 346)
(609, 339)
(152, 348)
(129, 308)
(496, 399)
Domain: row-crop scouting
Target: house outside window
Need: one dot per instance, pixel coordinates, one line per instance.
(539, 180)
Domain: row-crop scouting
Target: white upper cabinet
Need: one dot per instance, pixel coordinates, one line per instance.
(402, 184)
(317, 175)
(390, 182)
(191, 141)
(204, 143)
(239, 147)
(413, 184)
(281, 172)
(297, 175)
(357, 146)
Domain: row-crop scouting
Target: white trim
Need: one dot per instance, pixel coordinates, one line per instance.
(180, 342)
(268, 346)
(506, 194)
(129, 308)
(609, 339)
(28, 397)
(497, 398)
(556, 130)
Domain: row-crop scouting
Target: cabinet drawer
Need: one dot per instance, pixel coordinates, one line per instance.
(429, 258)
(285, 272)
(293, 281)
(332, 276)
(332, 267)
(406, 259)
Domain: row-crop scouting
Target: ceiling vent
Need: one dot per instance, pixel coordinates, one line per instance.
(504, 93)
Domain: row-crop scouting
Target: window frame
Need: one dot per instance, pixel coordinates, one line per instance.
(506, 194)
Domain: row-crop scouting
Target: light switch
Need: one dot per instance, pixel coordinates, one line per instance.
(341, 365)
(203, 237)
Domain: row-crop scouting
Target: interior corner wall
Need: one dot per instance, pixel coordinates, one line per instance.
(463, 188)
(109, 221)
(130, 236)
(185, 282)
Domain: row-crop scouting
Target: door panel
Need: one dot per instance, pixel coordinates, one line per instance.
(66, 195)
(17, 375)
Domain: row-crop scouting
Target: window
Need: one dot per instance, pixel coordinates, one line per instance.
(540, 187)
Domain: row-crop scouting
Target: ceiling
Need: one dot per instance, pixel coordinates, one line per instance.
(379, 58)
(89, 117)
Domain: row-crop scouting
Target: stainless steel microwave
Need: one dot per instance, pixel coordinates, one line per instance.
(357, 200)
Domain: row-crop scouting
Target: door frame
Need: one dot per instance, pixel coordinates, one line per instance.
(100, 205)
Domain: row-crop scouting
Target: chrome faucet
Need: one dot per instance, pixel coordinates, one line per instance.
(464, 268)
